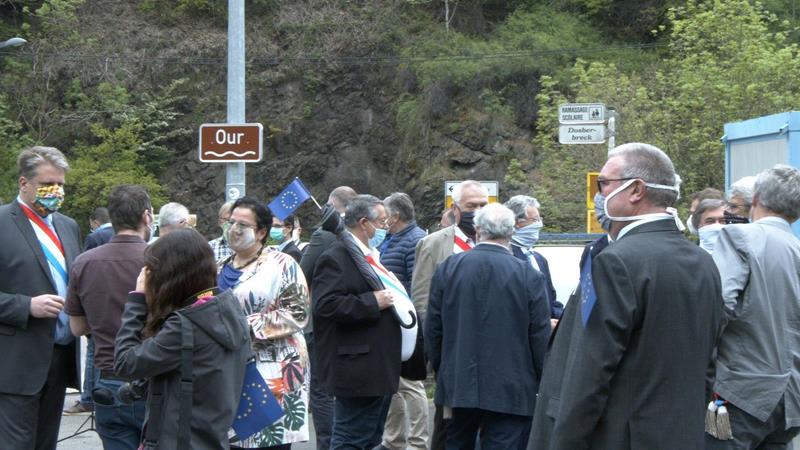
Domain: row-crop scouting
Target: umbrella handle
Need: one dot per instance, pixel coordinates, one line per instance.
(400, 320)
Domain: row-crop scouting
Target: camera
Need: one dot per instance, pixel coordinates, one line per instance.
(132, 391)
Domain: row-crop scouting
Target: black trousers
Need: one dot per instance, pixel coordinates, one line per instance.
(32, 421)
(320, 403)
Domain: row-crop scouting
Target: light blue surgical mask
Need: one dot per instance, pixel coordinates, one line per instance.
(528, 235)
(276, 233)
(377, 238)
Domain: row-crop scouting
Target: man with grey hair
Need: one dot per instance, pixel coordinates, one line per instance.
(410, 403)
(321, 404)
(172, 216)
(528, 223)
(486, 332)
(757, 369)
(39, 245)
(220, 245)
(650, 311)
(468, 197)
(740, 199)
(357, 336)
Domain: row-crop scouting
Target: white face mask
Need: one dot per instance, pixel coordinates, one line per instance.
(709, 235)
(690, 225)
(241, 240)
(623, 186)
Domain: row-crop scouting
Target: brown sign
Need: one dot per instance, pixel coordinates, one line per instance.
(230, 142)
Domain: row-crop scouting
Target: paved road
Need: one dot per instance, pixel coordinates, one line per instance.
(90, 441)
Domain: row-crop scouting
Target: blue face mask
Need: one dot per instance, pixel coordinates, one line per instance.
(276, 233)
(600, 211)
(377, 238)
(528, 235)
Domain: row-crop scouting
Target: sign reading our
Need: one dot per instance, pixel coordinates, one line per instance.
(225, 143)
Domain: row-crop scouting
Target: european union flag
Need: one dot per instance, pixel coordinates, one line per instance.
(289, 199)
(258, 408)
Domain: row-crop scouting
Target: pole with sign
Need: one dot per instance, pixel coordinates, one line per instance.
(582, 123)
(491, 187)
(235, 171)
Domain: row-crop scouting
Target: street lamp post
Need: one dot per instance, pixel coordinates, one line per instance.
(13, 42)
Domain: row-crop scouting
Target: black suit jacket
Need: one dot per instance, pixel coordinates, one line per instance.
(486, 331)
(26, 343)
(292, 250)
(357, 345)
(556, 307)
(98, 238)
(558, 353)
(320, 241)
(636, 375)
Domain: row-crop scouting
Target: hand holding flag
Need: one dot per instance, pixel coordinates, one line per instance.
(289, 199)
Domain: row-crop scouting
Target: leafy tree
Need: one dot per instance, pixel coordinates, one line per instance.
(723, 65)
(115, 160)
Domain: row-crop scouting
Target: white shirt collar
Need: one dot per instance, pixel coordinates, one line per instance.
(364, 249)
(647, 218)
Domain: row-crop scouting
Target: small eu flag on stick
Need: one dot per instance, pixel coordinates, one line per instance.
(258, 408)
(290, 199)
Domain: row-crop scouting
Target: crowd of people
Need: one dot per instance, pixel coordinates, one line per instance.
(664, 343)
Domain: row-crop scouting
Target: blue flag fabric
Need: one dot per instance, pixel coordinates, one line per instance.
(588, 295)
(258, 408)
(289, 199)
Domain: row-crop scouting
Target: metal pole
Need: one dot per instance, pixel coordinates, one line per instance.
(235, 172)
(612, 129)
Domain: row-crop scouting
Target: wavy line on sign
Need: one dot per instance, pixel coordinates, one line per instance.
(229, 152)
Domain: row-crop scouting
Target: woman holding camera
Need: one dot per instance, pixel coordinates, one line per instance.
(175, 308)
(272, 290)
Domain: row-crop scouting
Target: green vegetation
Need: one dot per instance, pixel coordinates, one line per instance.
(409, 92)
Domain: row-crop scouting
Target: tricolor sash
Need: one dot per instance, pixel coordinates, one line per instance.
(56, 259)
(461, 242)
(51, 247)
(402, 304)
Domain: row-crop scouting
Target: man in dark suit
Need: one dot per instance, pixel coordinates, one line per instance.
(357, 335)
(526, 234)
(281, 232)
(320, 404)
(555, 360)
(38, 245)
(486, 332)
(102, 231)
(650, 314)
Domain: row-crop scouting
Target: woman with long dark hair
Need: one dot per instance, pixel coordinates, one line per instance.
(272, 290)
(175, 290)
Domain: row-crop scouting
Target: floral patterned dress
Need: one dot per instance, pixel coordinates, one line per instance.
(274, 296)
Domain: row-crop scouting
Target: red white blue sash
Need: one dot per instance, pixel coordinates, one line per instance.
(402, 304)
(461, 243)
(51, 246)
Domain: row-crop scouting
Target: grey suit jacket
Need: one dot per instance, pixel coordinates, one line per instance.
(759, 348)
(430, 251)
(637, 376)
(27, 342)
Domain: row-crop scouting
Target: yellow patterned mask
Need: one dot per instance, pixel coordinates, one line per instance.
(48, 199)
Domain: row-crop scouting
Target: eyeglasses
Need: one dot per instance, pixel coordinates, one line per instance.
(603, 183)
(240, 225)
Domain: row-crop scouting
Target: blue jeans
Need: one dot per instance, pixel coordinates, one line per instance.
(358, 422)
(119, 425)
(497, 430)
(88, 374)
